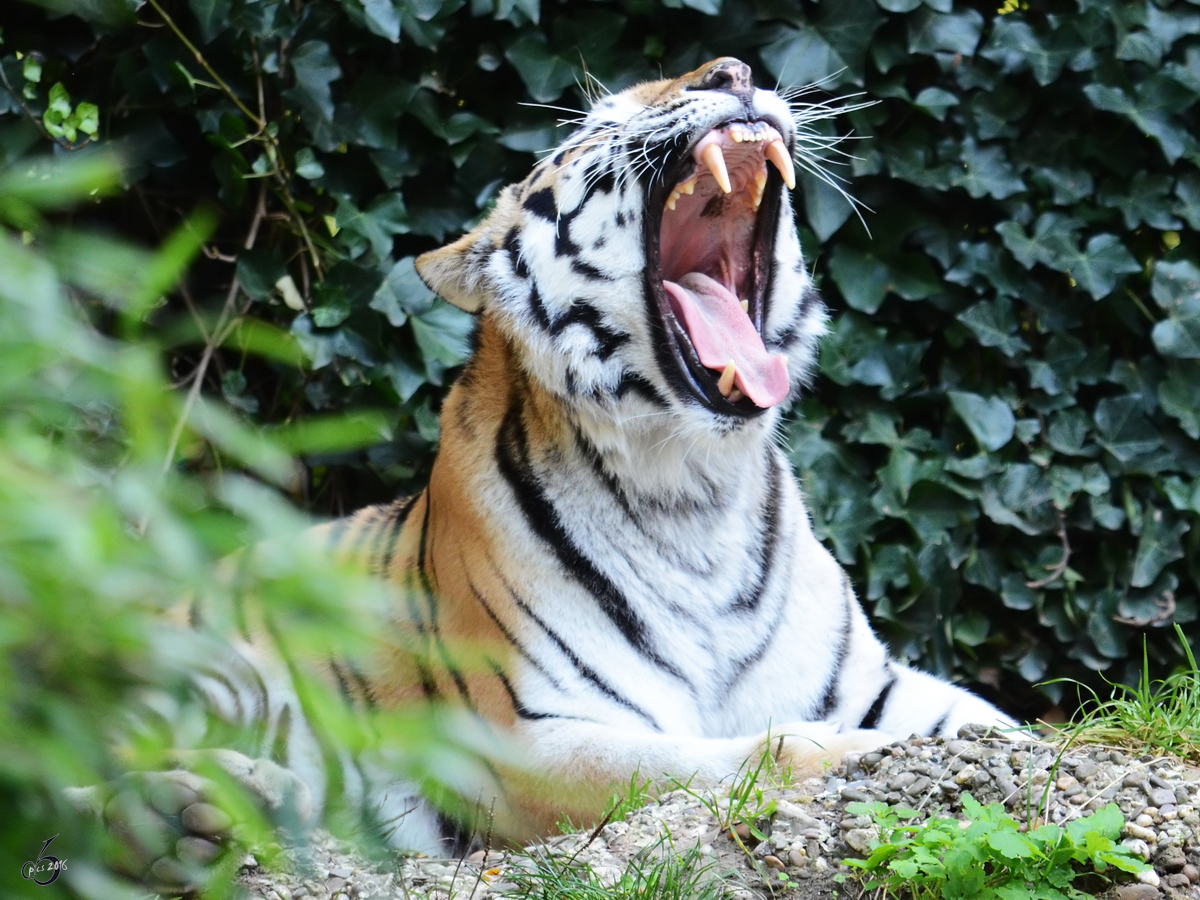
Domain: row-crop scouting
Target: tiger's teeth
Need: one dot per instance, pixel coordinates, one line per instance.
(725, 382)
(672, 200)
(756, 191)
(745, 306)
(777, 153)
(735, 395)
(715, 160)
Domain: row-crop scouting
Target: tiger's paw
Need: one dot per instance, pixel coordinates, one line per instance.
(172, 833)
(806, 747)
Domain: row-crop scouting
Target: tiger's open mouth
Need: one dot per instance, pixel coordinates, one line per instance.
(710, 265)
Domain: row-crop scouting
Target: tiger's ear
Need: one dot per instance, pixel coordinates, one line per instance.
(451, 271)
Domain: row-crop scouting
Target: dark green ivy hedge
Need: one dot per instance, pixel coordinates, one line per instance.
(1002, 445)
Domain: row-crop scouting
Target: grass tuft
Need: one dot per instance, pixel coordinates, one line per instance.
(659, 872)
(1161, 715)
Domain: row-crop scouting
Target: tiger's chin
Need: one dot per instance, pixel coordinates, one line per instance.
(710, 238)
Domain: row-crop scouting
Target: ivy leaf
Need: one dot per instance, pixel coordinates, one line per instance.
(403, 293)
(315, 69)
(935, 101)
(893, 367)
(545, 74)
(824, 205)
(382, 18)
(930, 32)
(1146, 110)
(1158, 545)
(989, 419)
(1123, 429)
(212, 16)
(1176, 289)
(986, 171)
(994, 325)
(1144, 200)
(443, 334)
(1187, 190)
(1099, 266)
(1179, 396)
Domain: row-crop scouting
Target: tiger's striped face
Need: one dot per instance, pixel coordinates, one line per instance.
(652, 261)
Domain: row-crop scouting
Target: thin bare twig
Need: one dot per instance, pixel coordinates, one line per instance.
(1055, 570)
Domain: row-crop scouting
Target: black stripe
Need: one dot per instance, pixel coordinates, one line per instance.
(400, 512)
(749, 600)
(585, 671)
(513, 248)
(228, 684)
(606, 478)
(364, 686)
(432, 602)
(579, 267)
(875, 713)
(283, 736)
(828, 700)
(343, 683)
(581, 313)
(509, 636)
(543, 520)
(939, 725)
(632, 383)
(541, 203)
(538, 308)
(519, 708)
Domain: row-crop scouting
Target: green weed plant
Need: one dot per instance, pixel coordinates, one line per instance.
(987, 856)
(1162, 715)
(660, 872)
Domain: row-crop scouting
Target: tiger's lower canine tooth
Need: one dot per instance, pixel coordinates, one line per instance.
(715, 160)
(777, 153)
(725, 383)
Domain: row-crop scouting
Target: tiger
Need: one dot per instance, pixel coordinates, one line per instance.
(609, 513)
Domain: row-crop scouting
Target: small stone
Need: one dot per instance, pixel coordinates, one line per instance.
(1182, 796)
(1192, 873)
(774, 862)
(204, 818)
(1144, 820)
(1162, 796)
(333, 885)
(918, 787)
(196, 850)
(797, 858)
(1073, 790)
(1141, 833)
(341, 872)
(871, 760)
(1138, 892)
(849, 793)
(1171, 858)
(1086, 769)
(1168, 813)
(168, 871)
(1117, 757)
(1133, 779)
(1149, 877)
(170, 797)
(965, 774)
(742, 830)
(860, 839)
(1078, 799)
(1066, 781)
(1178, 880)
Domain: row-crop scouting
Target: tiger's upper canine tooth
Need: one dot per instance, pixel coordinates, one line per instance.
(745, 305)
(777, 153)
(725, 382)
(715, 160)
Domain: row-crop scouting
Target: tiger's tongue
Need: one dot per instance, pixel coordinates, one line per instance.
(722, 333)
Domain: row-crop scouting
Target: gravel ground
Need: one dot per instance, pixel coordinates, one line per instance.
(811, 830)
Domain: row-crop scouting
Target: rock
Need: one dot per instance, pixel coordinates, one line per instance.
(1138, 892)
(776, 863)
(1086, 769)
(797, 858)
(1178, 880)
(1162, 796)
(196, 850)
(742, 830)
(920, 786)
(1149, 877)
(1171, 858)
(1138, 831)
(855, 794)
(204, 818)
(1192, 873)
(168, 871)
(860, 839)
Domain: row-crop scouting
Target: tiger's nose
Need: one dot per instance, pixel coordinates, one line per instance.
(728, 74)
